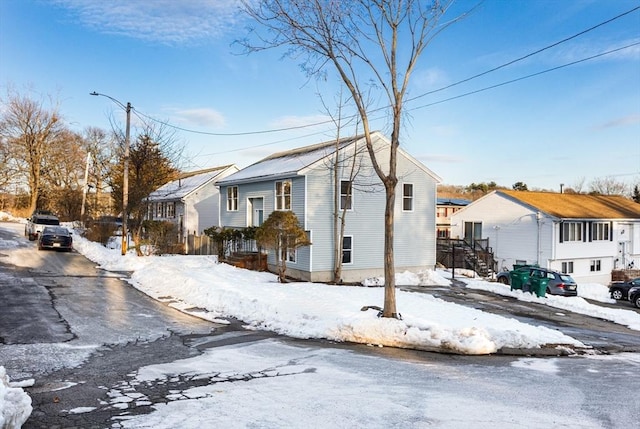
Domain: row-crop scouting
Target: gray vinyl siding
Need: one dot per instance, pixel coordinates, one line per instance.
(414, 240)
(266, 191)
(415, 231)
(363, 223)
(314, 200)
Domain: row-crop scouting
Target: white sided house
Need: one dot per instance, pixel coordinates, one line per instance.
(316, 182)
(586, 236)
(191, 202)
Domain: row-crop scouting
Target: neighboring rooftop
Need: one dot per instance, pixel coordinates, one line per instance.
(578, 206)
(452, 202)
(186, 183)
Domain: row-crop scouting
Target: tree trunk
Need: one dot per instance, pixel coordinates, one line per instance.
(389, 265)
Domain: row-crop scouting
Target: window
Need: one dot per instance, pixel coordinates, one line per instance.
(347, 249)
(283, 195)
(232, 198)
(595, 265)
(600, 232)
(158, 210)
(345, 194)
(571, 231)
(289, 254)
(567, 267)
(171, 209)
(407, 197)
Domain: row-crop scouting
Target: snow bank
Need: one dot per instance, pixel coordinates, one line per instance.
(15, 404)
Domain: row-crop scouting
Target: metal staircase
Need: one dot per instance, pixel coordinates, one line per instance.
(474, 255)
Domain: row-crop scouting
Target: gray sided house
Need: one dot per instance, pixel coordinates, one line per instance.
(586, 236)
(303, 181)
(190, 202)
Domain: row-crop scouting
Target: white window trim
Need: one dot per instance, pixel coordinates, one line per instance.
(282, 198)
(231, 199)
(412, 197)
(350, 250)
(350, 195)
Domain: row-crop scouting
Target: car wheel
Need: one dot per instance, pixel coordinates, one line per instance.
(616, 294)
(503, 280)
(637, 301)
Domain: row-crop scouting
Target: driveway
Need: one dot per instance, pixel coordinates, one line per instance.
(602, 335)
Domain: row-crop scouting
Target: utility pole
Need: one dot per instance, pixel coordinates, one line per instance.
(125, 179)
(84, 189)
(125, 185)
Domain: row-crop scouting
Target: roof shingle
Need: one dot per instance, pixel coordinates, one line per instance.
(578, 206)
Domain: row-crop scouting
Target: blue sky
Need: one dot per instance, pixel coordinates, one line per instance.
(174, 61)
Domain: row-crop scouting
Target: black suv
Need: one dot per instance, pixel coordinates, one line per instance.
(620, 290)
(634, 296)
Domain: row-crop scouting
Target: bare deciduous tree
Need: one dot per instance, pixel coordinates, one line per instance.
(102, 149)
(364, 41)
(30, 130)
(608, 186)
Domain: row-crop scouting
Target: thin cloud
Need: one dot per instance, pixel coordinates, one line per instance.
(200, 117)
(298, 121)
(621, 122)
(445, 159)
(169, 22)
(578, 51)
(430, 78)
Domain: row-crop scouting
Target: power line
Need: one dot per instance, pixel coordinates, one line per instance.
(276, 130)
(553, 45)
(466, 94)
(526, 77)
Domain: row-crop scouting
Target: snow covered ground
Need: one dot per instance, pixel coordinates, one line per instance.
(201, 286)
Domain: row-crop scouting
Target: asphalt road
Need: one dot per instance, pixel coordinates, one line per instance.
(80, 332)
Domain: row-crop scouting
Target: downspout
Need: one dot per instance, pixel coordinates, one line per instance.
(538, 244)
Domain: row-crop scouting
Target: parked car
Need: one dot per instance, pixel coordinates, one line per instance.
(106, 221)
(620, 290)
(55, 237)
(37, 222)
(634, 296)
(559, 283)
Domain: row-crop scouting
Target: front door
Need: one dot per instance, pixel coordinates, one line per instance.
(472, 231)
(256, 211)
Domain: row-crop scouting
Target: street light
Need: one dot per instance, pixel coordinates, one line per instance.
(125, 179)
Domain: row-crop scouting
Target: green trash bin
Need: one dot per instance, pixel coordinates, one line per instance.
(538, 282)
(518, 278)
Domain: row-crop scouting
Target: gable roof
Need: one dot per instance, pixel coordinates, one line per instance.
(187, 183)
(287, 163)
(452, 202)
(577, 206)
(292, 162)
